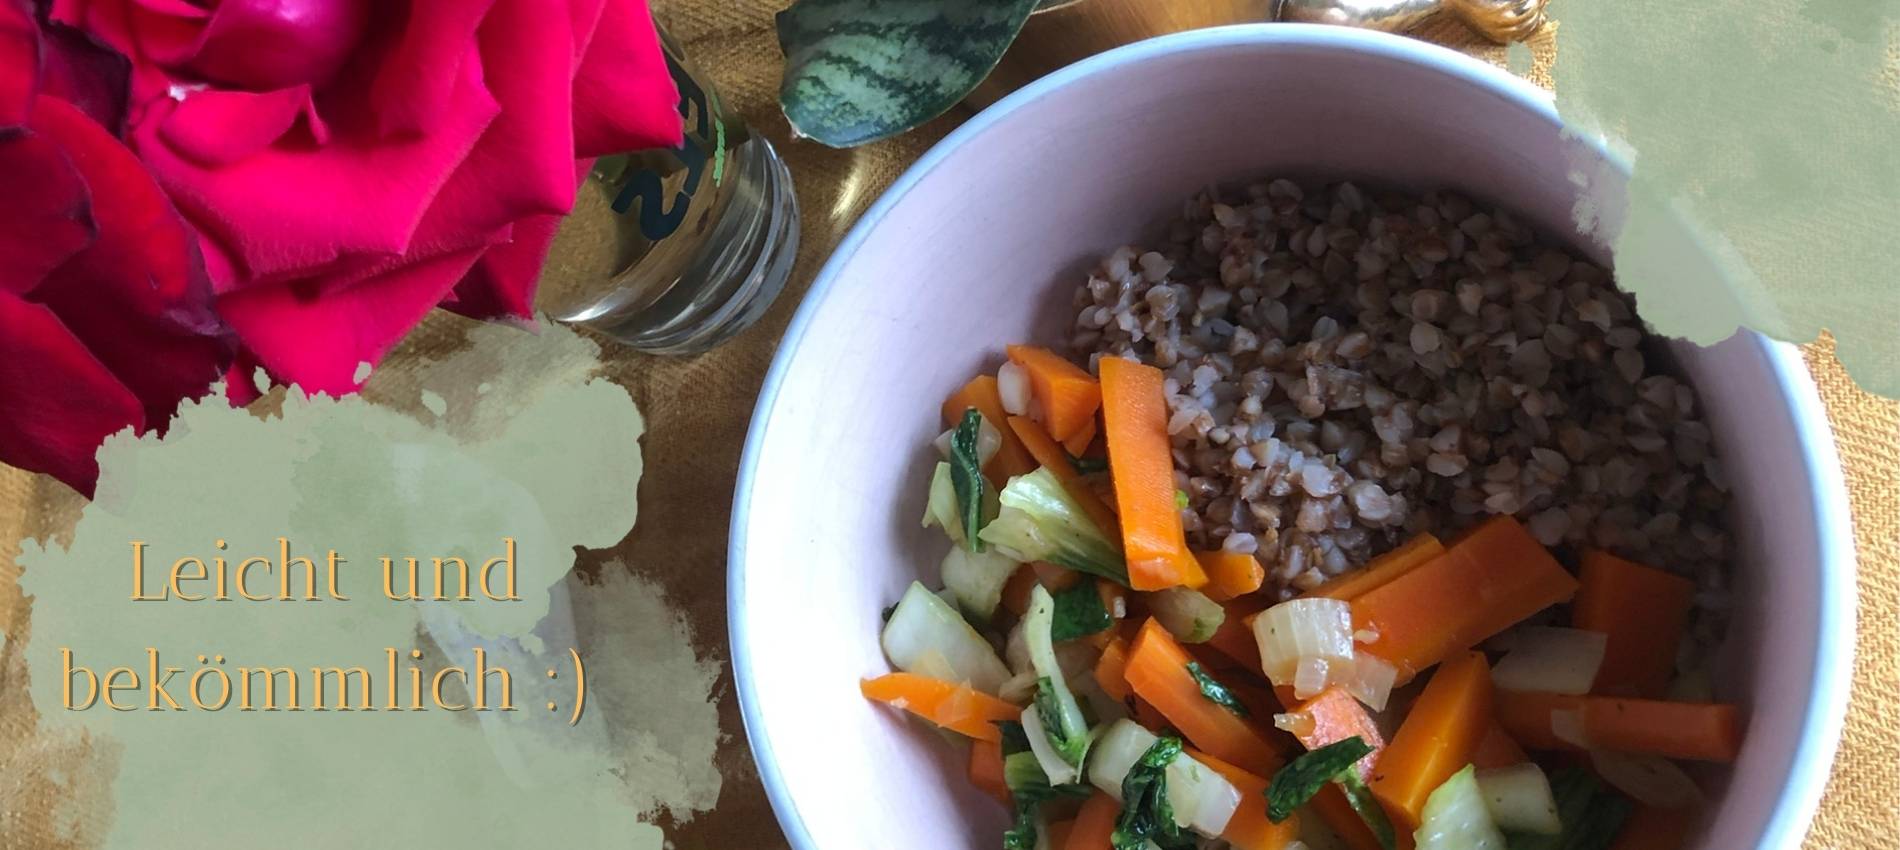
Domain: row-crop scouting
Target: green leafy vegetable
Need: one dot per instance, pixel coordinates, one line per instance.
(1368, 808)
(1060, 715)
(1079, 612)
(1066, 731)
(1591, 815)
(1041, 522)
(1180, 499)
(975, 504)
(1146, 814)
(860, 70)
(1029, 788)
(1305, 776)
(1215, 692)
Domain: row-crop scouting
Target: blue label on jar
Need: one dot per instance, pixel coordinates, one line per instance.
(657, 219)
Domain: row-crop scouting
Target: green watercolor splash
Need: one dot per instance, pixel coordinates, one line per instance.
(1766, 132)
(512, 435)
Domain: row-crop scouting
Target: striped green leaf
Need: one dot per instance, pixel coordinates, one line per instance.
(861, 70)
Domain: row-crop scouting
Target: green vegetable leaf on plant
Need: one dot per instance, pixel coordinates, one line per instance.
(861, 70)
(976, 505)
(1305, 776)
(1146, 813)
(1079, 612)
(1215, 692)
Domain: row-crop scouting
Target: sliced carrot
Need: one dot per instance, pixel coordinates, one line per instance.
(1231, 574)
(1157, 672)
(1526, 717)
(953, 706)
(1060, 831)
(1250, 828)
(1497, 749)
(1011, 458)
(1495, 576)
(1053, 458)
(1078, 444)
(1141, 465)
(1053, 577)
(1069, 395)
(1437, 738)
(1651, 828)
(1145, 714)
(1094, 824)
(1642, 610)
(986, 769)
(1234, 638)
(1017, 588)
(1111, 670)
(1412, 554)
(1337, 716)
(1701, 731)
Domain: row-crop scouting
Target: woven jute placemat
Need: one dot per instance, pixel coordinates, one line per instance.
(697, 410)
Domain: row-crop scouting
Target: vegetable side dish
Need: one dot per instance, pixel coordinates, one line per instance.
(1278, 569)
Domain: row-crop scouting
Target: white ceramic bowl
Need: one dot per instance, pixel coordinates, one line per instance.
(980, 244)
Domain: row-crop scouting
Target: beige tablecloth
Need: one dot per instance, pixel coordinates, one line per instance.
(697, 411)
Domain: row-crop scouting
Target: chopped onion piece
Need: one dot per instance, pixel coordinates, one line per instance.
(1019, 689)
(1296, 630)
(1567, 725)
(943, 443)
(1553, 660)
(988, 440)
(1365, 636)
(1012, 384)
(1310, 677)
(1296, 723)
(1370, 679)
(1650, 780)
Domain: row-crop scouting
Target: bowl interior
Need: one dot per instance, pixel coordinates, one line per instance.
(982, 245)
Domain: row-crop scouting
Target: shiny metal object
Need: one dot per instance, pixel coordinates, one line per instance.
(1502, 21)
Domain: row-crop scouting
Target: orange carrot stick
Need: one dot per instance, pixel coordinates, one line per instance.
(1069, 395)
(1017, 588)
(1111, 670)
(1642, 610)
(1078, 445)
(1230, 574)
(1651, 828)
(1436, 739)
(1250, 828)
(1054, 459)
(1141, 463)
(956, 707)
(1412, 554)
(1011, 458)
(1497, 749)
(1700, 731)
(986, 769)
(1483, 584)
(1094, 824)
(1337, 716)
(1157, 672)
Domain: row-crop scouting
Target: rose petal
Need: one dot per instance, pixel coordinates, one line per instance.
(83, 71)
(217, 127)
(624, 96)
(109, 22)
(19, 62)
(61, 402)
(502, 284)
(50, 211)
(138, 297)
(419, 74)
(272, 44)
(292, 210)
(316, 343)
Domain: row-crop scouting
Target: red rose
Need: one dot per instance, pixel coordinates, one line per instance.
(105, 310)
(350, 164)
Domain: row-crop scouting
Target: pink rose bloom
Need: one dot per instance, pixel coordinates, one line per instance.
(351, 164)
(105, 310)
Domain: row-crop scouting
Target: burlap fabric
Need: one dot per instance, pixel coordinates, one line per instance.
(697, 410)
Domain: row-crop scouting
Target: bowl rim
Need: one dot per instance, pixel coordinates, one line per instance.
(1828, 686)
